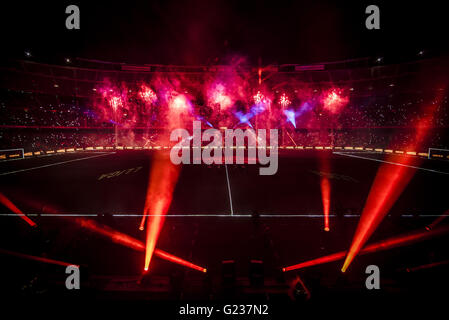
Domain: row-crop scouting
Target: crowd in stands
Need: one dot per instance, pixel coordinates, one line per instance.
(382, 122)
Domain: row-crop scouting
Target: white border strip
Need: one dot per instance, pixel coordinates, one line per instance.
(23, 153)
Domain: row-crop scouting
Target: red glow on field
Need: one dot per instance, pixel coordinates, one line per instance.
(299, 281)
(375, 247)
(163, 177)
(388, 185)
(7, 203)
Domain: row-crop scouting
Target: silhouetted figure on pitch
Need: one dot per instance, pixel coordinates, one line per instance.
(255, 216)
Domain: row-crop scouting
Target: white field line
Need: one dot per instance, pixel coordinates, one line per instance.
(54, 164)
(389, 162)
(124, 215)
(229, 190)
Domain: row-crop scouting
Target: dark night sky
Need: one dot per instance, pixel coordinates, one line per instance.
(208, 31)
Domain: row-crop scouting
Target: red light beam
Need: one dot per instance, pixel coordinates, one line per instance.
(388, 185)
(118, 238)
(438, 220)
(169, 257)
(107, 232)
(427, 266)
(325, 194)
(130, 242)
(163, 177)
(325, 187)
(34, 258)
(7, 203)
(326, 259)
(375, 247)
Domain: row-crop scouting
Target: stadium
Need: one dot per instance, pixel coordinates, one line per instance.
(86, 180)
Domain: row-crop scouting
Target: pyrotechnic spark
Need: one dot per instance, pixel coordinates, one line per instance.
(115, 102)
(148, 95)
(122, 104)
(219, 97)
(284, 101)
(333, 101)
(261, 101)
(258, 97)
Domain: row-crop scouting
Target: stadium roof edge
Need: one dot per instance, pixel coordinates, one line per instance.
(99, 65)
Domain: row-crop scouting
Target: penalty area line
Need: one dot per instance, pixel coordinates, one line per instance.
(55, 164)
(389, 162)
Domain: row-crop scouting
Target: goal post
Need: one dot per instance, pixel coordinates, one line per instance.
(435, 153)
